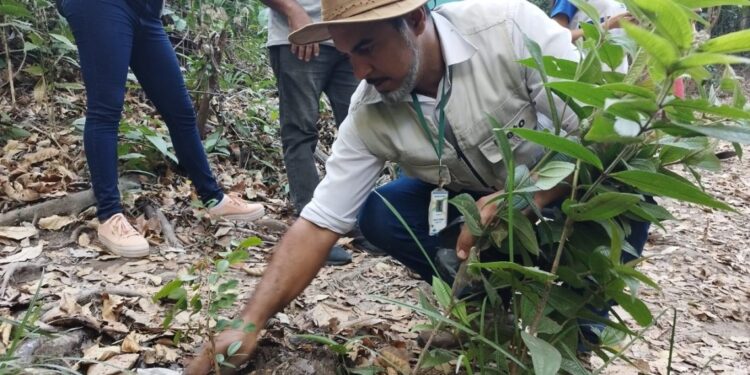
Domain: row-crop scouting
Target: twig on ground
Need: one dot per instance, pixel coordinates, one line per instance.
(166, 227)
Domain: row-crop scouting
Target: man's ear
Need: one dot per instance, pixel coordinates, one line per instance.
(417, 20)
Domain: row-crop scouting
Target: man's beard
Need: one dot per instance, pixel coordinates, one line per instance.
(410, 81)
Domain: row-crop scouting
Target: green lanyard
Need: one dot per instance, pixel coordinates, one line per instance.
(441, 120)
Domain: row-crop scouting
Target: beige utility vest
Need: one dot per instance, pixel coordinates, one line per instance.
(489, 84)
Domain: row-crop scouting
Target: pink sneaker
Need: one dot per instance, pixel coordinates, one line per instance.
(236, 208)
(121, 238)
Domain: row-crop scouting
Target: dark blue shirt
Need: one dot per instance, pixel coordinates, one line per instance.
(563, 7)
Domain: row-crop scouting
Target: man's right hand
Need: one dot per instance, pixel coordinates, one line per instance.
(297, 20)
(204, 362)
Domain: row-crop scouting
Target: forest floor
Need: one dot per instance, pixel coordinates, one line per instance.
(102, 308)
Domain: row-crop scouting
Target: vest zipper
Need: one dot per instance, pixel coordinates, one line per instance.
(452, 140)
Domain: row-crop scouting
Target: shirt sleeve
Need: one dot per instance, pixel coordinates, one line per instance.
(563, 7)
(351, 172)
(554, 40)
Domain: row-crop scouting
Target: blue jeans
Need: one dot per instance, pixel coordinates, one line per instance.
(113, 35)
(300, 85)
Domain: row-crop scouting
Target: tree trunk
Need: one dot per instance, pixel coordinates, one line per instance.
(204, 103)
(745, 20)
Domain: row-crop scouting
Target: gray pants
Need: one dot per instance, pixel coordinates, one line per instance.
(300, 85)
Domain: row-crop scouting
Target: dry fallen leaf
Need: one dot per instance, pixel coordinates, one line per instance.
(12, 148)
(110, 307)
(18, 233)
(84, 240)
(131, 343)
(55, 222)
(392, 357)
(323, 312)
(41, 155)
(25, 254)
(114, 365)
(100, 353)
(254, 271)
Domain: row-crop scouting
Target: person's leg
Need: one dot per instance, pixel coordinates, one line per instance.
(341, 83)
(411, 198)
(300, 85)
(155, 64)
(103, 31)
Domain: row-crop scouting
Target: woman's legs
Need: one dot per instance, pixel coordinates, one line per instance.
(104, 31)
(155, 64)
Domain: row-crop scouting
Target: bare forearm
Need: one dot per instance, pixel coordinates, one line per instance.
(286, 7)
(299, 256)
(576, 34)
(545, 197)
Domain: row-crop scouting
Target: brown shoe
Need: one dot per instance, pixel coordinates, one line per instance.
(236, 208)
(120, 238)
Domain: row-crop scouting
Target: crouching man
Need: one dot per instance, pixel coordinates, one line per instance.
(431, 80)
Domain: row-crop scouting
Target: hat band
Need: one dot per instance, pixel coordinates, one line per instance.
(353, 8)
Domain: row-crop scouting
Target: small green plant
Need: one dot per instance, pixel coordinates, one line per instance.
(205, 291)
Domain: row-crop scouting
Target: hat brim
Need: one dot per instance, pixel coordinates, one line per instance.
(318, 32)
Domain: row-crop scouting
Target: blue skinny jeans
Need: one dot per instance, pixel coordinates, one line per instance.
(113, 35)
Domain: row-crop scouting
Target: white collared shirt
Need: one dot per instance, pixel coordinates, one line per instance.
(352, 170)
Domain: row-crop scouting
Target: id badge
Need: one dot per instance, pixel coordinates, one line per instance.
(438, 213)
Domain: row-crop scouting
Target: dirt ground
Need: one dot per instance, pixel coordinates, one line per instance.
(702, 263)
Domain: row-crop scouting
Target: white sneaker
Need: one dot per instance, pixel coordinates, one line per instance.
(120, 238)
(235, 208)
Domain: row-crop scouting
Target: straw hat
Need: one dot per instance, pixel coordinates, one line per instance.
(343, 11)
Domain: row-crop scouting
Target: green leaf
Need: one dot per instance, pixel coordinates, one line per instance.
(161, 145)
(14, 9)
(229, 285)
(558, 68)
(702, 59)
(583, 92)
(728, 133)
(659, 48)
(602, 206)
(222, 266)
(632, 272)
(333, 345)
(703, 106)
(167, 289)
(629, 89)
(442, 292)
(545, 358)
(234, 348)
(553, 173)
(631, 108)
(525, 231)
(660, 184)
(736, 42)
(611, 54)
(64, 40)
(560, 144)
(695, 4)
(468, 208)
(589, 10)
(237, 256)
(250, 242)
(634, 306)
(670, 19)
(603, 130)
(531, 272)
